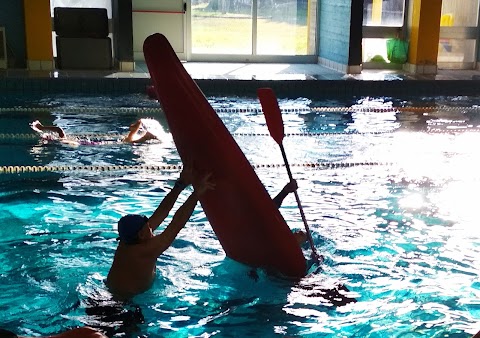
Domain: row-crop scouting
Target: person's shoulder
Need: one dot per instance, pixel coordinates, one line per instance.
(139, 249)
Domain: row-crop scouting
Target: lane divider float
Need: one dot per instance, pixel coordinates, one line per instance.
(118, 136)
(104, 168)
(157, 110)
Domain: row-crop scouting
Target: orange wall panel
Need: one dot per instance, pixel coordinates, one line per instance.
(38, 30)
(425, 32)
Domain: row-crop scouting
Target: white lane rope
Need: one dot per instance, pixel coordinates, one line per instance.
(104, 168)
(118, 136)
(157, 110)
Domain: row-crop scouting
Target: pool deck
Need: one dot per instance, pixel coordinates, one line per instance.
(242, 79)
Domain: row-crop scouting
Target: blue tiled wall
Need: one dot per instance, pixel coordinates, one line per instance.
(11, 17)
(334, 30)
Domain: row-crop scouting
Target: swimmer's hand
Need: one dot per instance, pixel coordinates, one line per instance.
(291, 186)
(140, 124)
(186, 176)
(204, 185)
(37, 126)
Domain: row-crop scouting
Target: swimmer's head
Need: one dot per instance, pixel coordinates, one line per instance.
(129, 226)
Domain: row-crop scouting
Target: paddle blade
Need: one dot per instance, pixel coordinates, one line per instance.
(273, 115)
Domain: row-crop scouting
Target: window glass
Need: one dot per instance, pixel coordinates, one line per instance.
(456, 51)
(221, 27)
(459, 49)
(383, 12)
(374, 50)
(282, 27)
(459, 13)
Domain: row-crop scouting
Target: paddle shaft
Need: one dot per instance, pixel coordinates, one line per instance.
(309, 235)
(273, 117)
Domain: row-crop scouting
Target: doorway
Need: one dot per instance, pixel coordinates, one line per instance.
(253, 30)
(230, 30)
(382, 21)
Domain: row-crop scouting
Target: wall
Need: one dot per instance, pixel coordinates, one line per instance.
(334, 30)
(478, 42)
(38, 33)
(11, 17)
(122, 30)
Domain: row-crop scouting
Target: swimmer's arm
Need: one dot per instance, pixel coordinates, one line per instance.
(57, 130)
(147, 136)
(165, 207)
(37, 126)
(185, 179)
(288, 188)
(131, 135)
(161, 242)
(278, 200)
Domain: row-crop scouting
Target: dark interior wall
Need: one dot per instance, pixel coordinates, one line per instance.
(356, 26)
(12, 18)
(122, 30)
(478, 42)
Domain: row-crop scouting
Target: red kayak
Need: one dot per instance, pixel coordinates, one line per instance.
(246, 221)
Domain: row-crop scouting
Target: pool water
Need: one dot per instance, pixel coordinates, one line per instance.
(396, 221)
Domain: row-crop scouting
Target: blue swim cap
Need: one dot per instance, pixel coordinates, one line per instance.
(129, 226)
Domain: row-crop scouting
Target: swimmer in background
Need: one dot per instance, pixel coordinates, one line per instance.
(135, 260)
(141, 131)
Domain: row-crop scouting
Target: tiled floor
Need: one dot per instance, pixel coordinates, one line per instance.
(281, 71)
(243, 79)
(252, 71)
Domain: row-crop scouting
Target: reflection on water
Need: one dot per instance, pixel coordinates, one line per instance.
(399, 233)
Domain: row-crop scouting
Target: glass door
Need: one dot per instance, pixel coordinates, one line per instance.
(382, 20)
(221, 26)
(253, 30)
(282, 28)
(457, 47)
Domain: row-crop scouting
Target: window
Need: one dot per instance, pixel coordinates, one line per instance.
(383, 13)
(457, 46)
(382, 20)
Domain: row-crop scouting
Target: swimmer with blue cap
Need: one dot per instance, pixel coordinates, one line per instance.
(129, 226)
(134, 264)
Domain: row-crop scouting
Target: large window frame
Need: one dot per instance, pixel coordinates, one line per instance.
(255, 56)
(466, 35)
(384, 33)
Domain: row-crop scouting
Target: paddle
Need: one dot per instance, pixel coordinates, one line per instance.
(273, 117)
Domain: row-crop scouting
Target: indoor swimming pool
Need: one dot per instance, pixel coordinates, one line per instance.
(389, 187)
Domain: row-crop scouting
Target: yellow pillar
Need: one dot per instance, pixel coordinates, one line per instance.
(38, 34)
(377, 11)
(424, 36)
